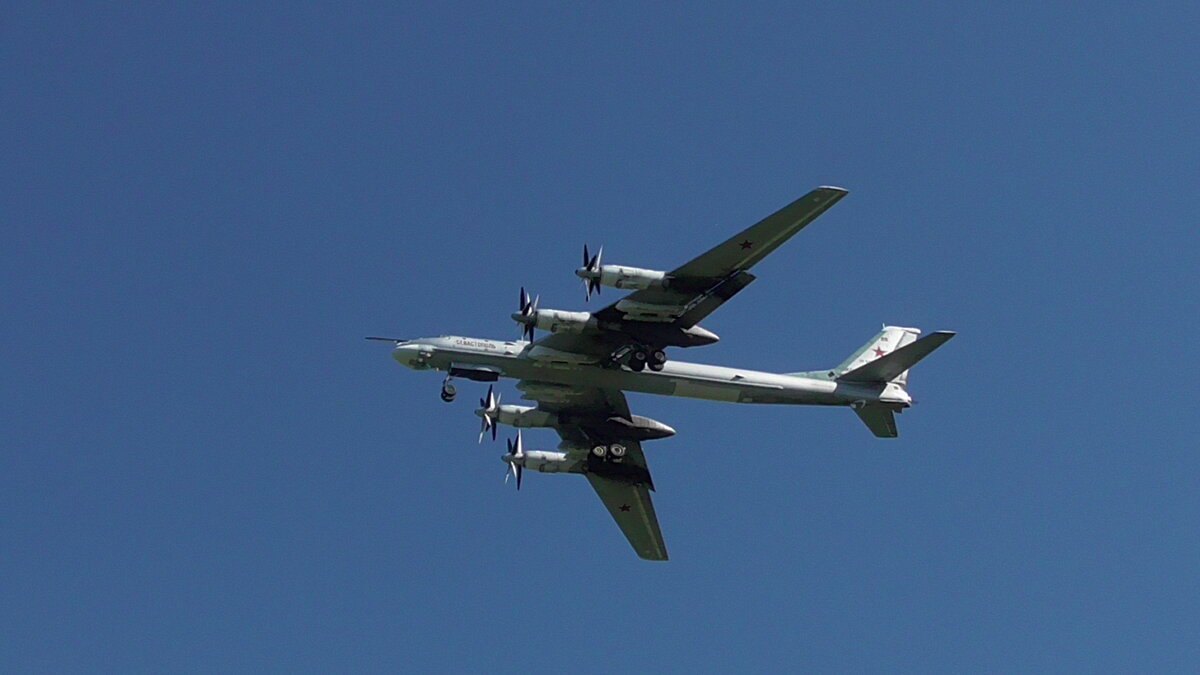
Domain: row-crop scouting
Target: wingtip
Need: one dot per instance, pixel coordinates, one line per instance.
(834, 188)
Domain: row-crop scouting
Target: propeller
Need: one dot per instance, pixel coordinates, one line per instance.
(490, 413)
(527, 316)
(517, 450)
(591, 272)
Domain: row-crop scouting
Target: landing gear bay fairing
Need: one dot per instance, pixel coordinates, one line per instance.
(577, 373)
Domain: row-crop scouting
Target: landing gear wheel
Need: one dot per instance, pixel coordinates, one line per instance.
(448, 392)
(656, 367)
(600, 451)
(618, 451)
(637, 365)
(658, 356)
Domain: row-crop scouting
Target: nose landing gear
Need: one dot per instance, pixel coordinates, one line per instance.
(448, 391)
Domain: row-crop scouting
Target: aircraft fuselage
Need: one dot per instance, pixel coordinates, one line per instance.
(477, 358)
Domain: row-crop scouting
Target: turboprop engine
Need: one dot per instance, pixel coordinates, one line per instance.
(521, 416)
(553, 320)
(595, 275)
(546, 461)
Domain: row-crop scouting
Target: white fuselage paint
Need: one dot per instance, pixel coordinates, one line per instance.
(677, 378)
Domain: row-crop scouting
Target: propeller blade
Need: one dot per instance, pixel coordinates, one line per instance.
(516, 449)
(527, 316)
(591, 281)
(532, 313)
(490, 406)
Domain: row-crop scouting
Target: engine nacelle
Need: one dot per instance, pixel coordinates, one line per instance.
(559, 321)
(524, 416)
(556, 320)
(619, 276)
(547, 461)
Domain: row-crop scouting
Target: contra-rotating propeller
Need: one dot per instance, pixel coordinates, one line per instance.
(490, 412)
(517, 451)
(590, 273)
(527, 316)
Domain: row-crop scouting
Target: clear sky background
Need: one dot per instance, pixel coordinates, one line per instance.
(206, 207)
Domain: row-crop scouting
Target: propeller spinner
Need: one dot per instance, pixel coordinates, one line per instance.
(590, 272)
(516, 451)
(489, 412)
(527, 315)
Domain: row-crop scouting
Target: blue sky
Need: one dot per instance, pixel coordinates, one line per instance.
(205, 208)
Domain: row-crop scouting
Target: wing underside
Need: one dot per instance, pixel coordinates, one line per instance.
(622, 481)
(633, 511)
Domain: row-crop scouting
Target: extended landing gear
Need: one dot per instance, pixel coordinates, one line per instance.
(448, 391)
(657, 358)
(613, 453)
(640, 357)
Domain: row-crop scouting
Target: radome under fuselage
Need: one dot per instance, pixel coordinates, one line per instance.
(677, 378)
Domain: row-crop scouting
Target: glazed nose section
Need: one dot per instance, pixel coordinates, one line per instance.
(411, 356)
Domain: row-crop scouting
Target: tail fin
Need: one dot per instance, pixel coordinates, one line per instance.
(883, 365)
(885, 342)
(885, 361)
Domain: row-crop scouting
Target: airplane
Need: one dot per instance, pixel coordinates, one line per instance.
(578, 373)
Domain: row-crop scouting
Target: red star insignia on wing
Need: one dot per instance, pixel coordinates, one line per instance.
(879, 352)
(746, 244)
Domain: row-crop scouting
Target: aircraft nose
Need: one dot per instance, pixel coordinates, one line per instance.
(408, 355)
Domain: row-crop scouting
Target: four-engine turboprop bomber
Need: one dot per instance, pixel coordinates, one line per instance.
(578, 373)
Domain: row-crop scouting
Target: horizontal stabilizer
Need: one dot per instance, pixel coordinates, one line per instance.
(881, 421)
(888, 367)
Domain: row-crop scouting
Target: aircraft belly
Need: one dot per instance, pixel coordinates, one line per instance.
(688, 380)
(710, 391)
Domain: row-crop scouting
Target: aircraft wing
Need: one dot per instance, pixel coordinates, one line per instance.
(585, 420)
(700, 286)
(631, 507)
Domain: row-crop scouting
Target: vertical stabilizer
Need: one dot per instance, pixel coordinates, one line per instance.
(883, 363)
(885, 342)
